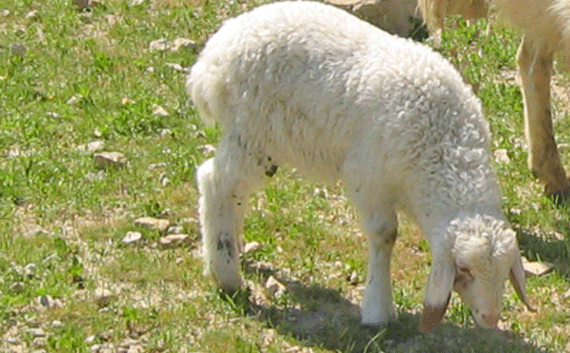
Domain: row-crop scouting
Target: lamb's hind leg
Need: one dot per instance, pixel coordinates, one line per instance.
(224, 183)
(535, 67)
(377, 306)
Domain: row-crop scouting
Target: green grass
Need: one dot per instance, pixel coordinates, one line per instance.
(90, 75)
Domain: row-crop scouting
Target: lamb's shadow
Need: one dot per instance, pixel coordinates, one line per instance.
(321, 317)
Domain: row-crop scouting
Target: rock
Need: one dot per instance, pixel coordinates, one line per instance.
(251, 247)
(127, 101)
(176, 67)
(501, 156)
(153, 223)
(56, 324)
(159, 44)
(173, 240)
(48, 302)
(136, 2)
(175, 229)
(92, 147)
(131, 238)
(76, 98)
(207, 149)
(535, 269)
(158, 110)
(37, 332)
(183, 43)
(102, 296)
(97, 133)
(32, 15)
(106, 160)
(17, 287)
(276, 288)
(29, 270)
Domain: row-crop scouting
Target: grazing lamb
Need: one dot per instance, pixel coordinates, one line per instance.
(308, 85)
(545, 25)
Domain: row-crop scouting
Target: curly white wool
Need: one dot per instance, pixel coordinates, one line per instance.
(307, 85)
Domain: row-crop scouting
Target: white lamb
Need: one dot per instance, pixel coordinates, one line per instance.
(308, 85)
(546, 28)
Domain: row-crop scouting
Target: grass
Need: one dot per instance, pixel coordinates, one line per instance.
(71, 77)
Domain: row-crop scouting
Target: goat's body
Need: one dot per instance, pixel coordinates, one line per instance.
(388, 116)
(546, 28)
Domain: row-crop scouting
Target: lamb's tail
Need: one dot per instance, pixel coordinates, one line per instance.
(207, 91)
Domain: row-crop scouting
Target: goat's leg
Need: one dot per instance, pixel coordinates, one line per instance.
(224, 183)
(535, 67)
(377, 306)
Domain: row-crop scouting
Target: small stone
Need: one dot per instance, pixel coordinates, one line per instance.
(89, 339)
(29, 270)
(353, 278)
(106, 160)
(183, 43)
(175, 229)
(136, 2)
(165, 132)
(53, 115)
(149, 69)
(56, 324)
(176, 67)
(207, 149)
(102, 296)
(5, 12)
(48, 302)
(276, 288)
(159, 44)
(97, 133)
(37, 332)
(535, 269)
(92, 147)
(32, 15)
(74, 99)
(131, 238)
(158, 110)
(501, 156)
(17, 287)
(321, 192)
(153, 223)
(127, 101)
(251, 247)
(172, 240)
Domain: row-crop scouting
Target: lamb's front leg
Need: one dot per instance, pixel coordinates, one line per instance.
(377, 306)
(220, 221)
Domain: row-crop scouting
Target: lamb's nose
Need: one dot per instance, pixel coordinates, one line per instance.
(491, 319)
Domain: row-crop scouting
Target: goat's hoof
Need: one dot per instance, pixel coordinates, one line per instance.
(559, 198)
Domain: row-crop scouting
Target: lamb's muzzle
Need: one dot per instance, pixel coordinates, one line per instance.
(307, 85)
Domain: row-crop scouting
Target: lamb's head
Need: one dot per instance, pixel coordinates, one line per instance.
(483, 253)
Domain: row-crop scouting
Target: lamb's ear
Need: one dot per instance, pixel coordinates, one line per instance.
(516, 275)
(438, 292)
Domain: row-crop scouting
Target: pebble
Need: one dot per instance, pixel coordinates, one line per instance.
(102, 296)
(91, 147)
(276, 288)
(251, 247)
(535, 269)
(153, 223)
(501, 156)
(158, 110)
(175, 229)
(17, 287)
(48, 302)
(106, 160)
(172, 240)
(131, 238)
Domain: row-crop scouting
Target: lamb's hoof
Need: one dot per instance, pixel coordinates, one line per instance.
(239, 299)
